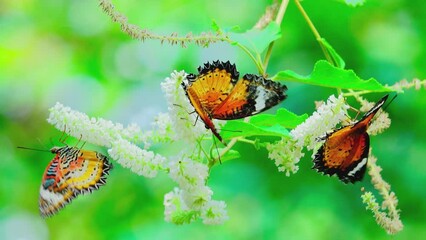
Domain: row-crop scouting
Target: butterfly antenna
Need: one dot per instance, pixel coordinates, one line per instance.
(33, 149)
(61, 140)
(387, 105)
(355, 110)
(79, 140)
(196, 119)
(64, 140)
(177, 105)
(84, 143)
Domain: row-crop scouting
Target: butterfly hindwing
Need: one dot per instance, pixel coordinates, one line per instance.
(70, 173)
(88, 171)
(345, 151)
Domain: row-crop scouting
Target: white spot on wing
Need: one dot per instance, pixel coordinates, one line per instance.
(51, 197)
(260, 99)
(358, 167)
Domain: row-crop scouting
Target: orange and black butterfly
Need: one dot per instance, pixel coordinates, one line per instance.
(71, 172)
(345, 151)
(218, 93)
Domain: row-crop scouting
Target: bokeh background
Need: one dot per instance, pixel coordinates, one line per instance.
(70, 51)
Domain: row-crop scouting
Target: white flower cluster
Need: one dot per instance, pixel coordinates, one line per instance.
(214, 212)
(180, 108)
(325, 118)
(193, 198)
(175, 209)
(286, 153)
(404, 84)
(380, 123)
(140, 161)
(161, 132)
(381, 120)
(392, 224)
(94, 130)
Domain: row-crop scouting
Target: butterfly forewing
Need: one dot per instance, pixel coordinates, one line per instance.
(70, 173)
(212, 85)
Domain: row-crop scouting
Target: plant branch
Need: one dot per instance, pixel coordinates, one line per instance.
(203, 40)
(278, 20)
(314, 31)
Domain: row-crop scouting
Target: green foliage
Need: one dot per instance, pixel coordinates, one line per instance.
(283, 117)
(239, 128)
(326, 75)
(353, 3)
(263, 125)
(229, 155)
(75, 53)
(334, 56)
(255, 40)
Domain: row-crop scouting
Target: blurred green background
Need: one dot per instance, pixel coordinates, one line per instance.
(69, 51)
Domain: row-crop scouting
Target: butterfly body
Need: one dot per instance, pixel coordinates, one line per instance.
(345, 151)
(71, 172)
(218, 93)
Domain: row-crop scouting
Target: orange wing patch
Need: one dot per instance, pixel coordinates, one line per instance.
(345, 151)
(217, 93)
(72, 172)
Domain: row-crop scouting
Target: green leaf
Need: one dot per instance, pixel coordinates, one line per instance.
(283, 117)
(229, 155)
(215, 26)
(353, 3)
(257, 40)
(239, 128)
(326, 75)
(337, 59)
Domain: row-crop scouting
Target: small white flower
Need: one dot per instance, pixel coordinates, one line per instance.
(214, 212)
(381, 120)
(97, 131)
(173, 201)
(162, 131)
(162, 124)
(286, 153)
(326, 117)
(180, 109)
(197, 196)
(188, 173)
(175, 209)
(140, 161)
(380, 123)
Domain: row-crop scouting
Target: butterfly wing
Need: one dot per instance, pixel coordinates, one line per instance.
(344, 153)
(70, 173)
(251, 95)
(209, 88)
(54, 190)
(87, 172)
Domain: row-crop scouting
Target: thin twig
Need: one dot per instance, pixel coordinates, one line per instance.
(278, 20)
